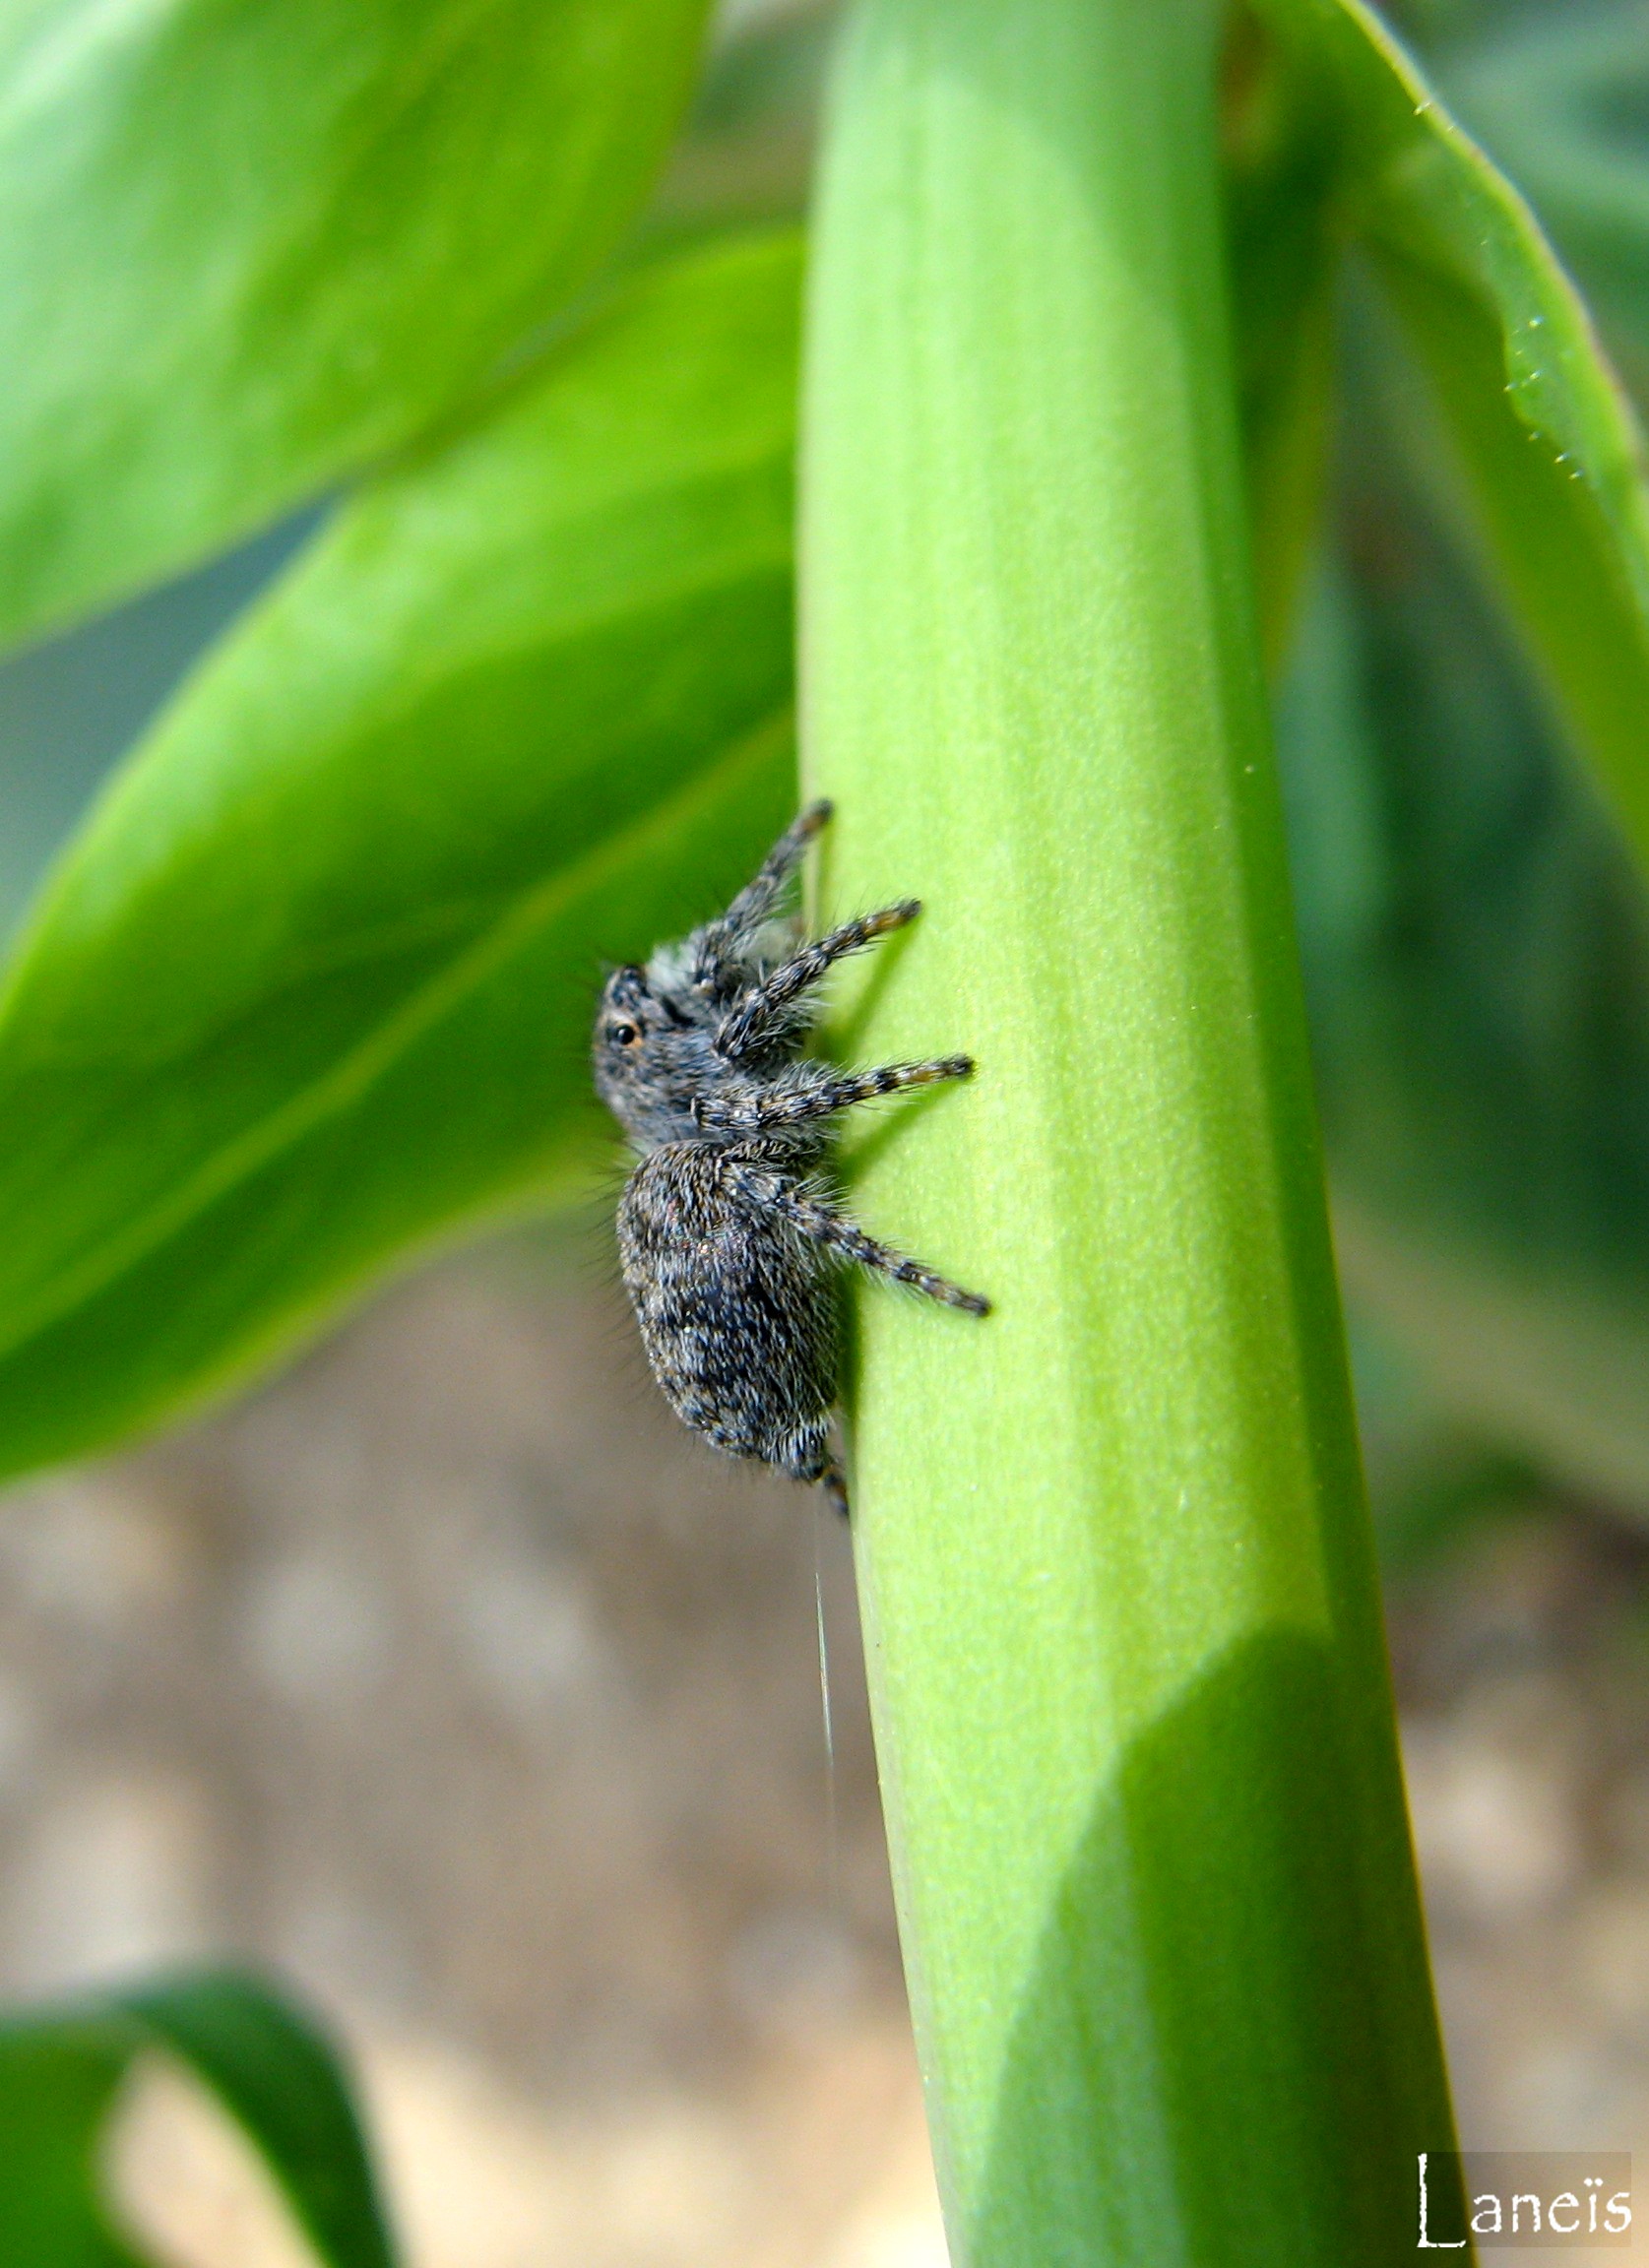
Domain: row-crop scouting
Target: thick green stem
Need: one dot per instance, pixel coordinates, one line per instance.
(1136, 1735)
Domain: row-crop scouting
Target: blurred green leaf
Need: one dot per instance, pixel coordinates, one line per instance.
(249, 248)
(1537, 430)
(746, 151)
(278, 2077)
(1562, 98)
(1283, 252)
(1476, 946)
(1475, 939)
(59, 2076)
(61, 2071)
(72, 706)
(314, 983)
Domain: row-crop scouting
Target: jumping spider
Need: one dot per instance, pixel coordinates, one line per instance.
(727, 1231)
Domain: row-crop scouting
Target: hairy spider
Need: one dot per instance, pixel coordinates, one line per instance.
(727, 1230)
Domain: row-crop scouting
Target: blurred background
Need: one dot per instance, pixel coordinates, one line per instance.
(447, 1674)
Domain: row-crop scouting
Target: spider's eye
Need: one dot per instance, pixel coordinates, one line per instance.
(622, 1035)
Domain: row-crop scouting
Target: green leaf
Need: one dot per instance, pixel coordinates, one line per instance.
(1477, 953)
(1284, 252)
(250, 248)
(314, 983)
(1537, 432)
(1474, 936)
(61, 2072)
(1561, 99)
(278, 2076)
(746, 151)
(59, 2077)
(1135, 1736)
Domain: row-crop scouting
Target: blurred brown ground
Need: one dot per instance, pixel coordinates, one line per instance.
(449, 1675)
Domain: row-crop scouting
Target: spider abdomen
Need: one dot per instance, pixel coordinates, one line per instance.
(737, 1311)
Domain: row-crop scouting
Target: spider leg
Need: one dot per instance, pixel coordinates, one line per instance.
(808, 1457)
(755, 901)
(804, 1454)
(751, 1022)
(823, 1225)
(820, 1096)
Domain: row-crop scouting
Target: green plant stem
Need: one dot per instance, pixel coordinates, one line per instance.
(1135, 1729)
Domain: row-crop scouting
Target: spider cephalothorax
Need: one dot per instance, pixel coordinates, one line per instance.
(726, 1233)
